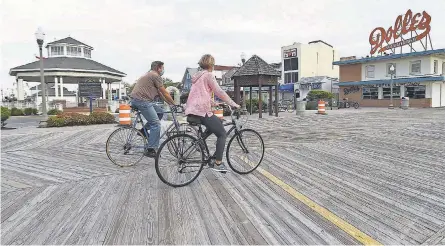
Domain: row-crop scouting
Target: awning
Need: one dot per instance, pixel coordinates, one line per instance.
(395, 81)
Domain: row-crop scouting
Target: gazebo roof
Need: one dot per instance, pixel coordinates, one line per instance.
(67, 63)
(68, 40)
(256, 66)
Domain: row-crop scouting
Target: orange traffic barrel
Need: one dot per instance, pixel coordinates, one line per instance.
(321, 107)
(219, 113)
(124, 114)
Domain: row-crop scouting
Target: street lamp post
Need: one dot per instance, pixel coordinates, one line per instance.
(40, 36)
(392, 70)
(243, 59)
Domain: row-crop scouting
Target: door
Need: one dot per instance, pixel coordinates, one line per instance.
(442, 103)
(436, 94)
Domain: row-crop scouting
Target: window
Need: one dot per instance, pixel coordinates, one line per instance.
(56, 50)
(290, 77)
(370, 93)
(87, 53)
(73, 51)
(415, 92)
(370, 71)
(415, 67)
(387, 92)
(291, 64)
(388, 69)
(436, 66)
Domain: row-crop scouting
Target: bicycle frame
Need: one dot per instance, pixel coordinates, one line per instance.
(202, 137)
(138, 119)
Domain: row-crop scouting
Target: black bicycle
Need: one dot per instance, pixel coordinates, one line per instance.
(245, 152)
(347, 104)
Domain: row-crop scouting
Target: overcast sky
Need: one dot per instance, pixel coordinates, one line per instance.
(129, 34)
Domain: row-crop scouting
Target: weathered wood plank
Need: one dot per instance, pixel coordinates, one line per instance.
(437, 238)
(249, 231)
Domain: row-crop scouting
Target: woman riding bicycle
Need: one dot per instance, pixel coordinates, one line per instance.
(199, 103)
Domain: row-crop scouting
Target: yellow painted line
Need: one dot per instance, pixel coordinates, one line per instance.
(345, 226)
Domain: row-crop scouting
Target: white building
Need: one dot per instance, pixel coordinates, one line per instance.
(418, 76)
(312, 61)
(308, 60)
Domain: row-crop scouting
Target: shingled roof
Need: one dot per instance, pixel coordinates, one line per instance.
(68, 40)
(256, 66)
(67, 63)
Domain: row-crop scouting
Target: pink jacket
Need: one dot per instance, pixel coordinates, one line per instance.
(200, 101)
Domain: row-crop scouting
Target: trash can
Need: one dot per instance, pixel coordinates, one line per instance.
(405, 103)
(301, 107)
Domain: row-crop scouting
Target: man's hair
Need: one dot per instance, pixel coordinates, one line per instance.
(207, 61)
(156, 64)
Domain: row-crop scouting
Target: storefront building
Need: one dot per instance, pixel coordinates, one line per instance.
(417, 74)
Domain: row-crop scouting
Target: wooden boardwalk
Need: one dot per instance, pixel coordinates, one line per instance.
(381, 172)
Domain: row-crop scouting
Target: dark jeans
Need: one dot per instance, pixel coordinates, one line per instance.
(214, 125)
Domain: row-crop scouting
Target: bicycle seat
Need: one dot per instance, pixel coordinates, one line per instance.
(194, 120)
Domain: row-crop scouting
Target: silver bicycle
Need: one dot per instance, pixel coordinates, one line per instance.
(127, 145)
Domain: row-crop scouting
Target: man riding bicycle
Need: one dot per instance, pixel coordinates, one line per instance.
(148, 90)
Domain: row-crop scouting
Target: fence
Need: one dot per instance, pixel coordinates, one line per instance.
(19, 105)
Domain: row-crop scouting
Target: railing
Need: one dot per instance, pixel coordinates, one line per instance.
(19, 105)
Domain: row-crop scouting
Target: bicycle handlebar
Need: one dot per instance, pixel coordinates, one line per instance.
(232, 109)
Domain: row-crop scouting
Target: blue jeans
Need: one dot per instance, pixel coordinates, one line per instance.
(152, 114)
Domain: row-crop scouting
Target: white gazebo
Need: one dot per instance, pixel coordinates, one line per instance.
(69, 62)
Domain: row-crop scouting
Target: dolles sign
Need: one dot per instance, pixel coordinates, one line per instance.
(402, 26)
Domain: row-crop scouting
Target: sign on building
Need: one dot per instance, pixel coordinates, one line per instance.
(405, 31)
(290, 53)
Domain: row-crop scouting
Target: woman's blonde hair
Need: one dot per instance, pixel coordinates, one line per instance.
(207, 61)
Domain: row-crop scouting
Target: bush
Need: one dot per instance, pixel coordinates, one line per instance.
(101, 118)
(76, 119)
(255, 103)
(54, 112)
(30, 111)
(35, 111)
(16, 112)
(6, 113)
(319, 94)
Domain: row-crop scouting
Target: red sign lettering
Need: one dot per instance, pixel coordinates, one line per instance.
(402, 26)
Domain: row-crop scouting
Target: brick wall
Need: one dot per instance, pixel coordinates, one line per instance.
(351, 72)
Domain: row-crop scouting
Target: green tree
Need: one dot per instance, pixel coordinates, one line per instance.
(129, 87)
(168, 82)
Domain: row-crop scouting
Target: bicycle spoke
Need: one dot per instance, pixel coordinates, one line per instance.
(125, 146)
(183, 165)
(246, 153)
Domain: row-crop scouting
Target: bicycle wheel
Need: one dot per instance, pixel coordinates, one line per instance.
(184, 165)
(290, 108)
(246, 153)
(126, 146)
(356, 105)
